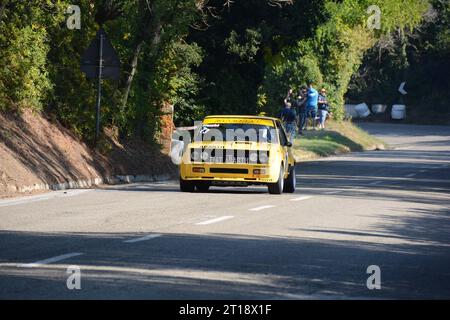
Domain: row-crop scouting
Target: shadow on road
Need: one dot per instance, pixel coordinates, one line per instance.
(412, 249)
(145, 187)
(227, 266)
(427, 227)
(390, 169)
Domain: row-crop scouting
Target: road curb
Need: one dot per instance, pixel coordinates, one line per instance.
(88, 183)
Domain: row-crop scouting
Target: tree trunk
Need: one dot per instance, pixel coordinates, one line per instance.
(149, 29)
(134, 62)
(142, 110)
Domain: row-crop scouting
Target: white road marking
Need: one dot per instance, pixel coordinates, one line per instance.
(301, 198)
(214, 220)
(50, 260)
(150, 236)
(410, 175)
(42, 197)
(292, 296)
(332, 192)
(375, 183)
(261, 208)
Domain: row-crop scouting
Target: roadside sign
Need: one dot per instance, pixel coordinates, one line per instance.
(110, 60)
(100, 61)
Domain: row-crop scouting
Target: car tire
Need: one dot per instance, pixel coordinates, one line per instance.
(277, 187)
(202, 187)
(187, 186)
(290, 181)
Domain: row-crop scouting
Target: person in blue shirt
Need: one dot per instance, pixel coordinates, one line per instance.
(312, 99)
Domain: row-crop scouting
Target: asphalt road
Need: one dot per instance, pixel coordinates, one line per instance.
(149, 241)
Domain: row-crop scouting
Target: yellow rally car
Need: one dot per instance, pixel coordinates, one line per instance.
(238, 151)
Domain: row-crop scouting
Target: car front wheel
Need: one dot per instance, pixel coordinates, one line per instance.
(186, 185)
(290, 182)
(202, 186)
(277, 187)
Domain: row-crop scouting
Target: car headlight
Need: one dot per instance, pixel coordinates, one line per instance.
(253, 157)
(196, 155)
(205, 156)
(263, 157)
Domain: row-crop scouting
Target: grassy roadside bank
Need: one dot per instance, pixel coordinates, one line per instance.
(339, 137)
(36, 153)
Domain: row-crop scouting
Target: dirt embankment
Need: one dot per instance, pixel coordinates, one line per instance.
(35, 151)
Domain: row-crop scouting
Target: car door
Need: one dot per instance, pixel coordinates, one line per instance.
(284, 144)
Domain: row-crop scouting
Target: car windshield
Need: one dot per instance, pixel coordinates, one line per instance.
(237, 132)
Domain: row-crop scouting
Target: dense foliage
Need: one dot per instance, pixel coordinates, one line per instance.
(419, 56)
(201, 56)
(321, 41)
(40, 60)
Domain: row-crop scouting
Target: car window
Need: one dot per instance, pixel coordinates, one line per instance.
(237, 132)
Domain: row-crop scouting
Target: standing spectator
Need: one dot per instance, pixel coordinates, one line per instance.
(301, 108)
(289, 97)
(289, 119)
(311, 103)
(323, 107)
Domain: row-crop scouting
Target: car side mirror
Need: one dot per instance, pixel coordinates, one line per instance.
(288, 144)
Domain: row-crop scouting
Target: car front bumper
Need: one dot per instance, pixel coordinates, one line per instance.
(229, 174)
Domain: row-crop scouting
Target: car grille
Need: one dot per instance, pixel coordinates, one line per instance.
(206, 155)
(228, 170)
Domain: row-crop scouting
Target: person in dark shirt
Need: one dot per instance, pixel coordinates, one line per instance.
(289, 97)
(289, 118)
(301, 108)
(323, 108)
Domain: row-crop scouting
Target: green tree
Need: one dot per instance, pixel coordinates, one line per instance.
(24, 32)
(418, 56)
(337, 47)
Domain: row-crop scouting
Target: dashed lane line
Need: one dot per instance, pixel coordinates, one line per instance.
(261, 208)
(211, 221)
(333, 192)
(50, 260)
(301, 198)
(148, 237)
